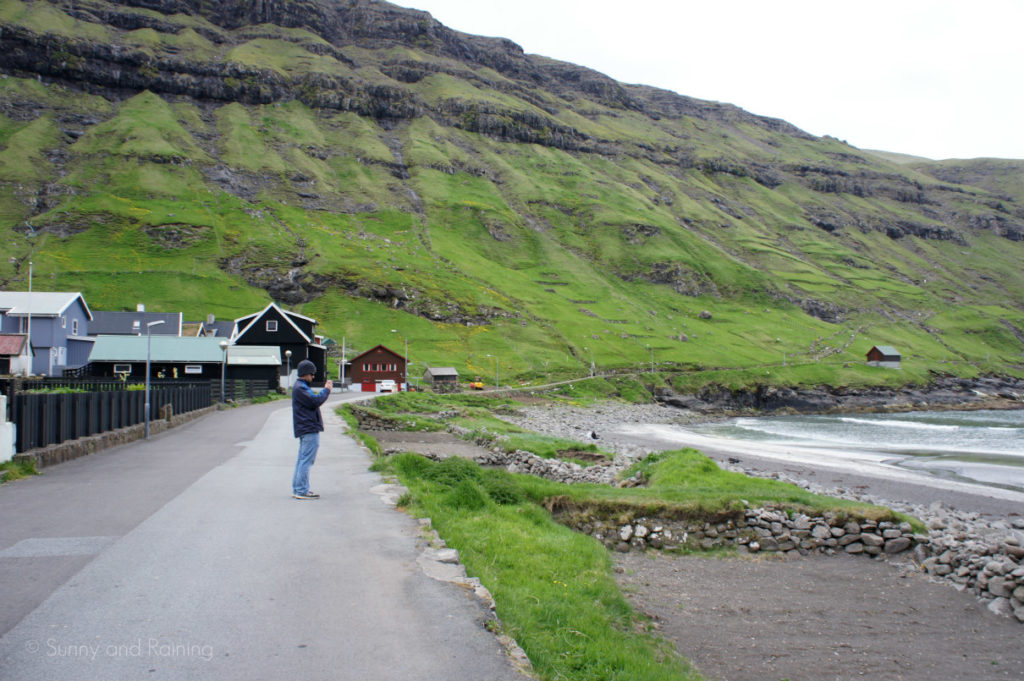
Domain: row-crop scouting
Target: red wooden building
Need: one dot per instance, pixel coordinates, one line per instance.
(376, 365)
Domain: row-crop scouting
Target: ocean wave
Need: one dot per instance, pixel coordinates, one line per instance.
(898, 424)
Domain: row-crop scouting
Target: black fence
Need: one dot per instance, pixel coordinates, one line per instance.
(238, 389)
(234, 388)
(44, 419)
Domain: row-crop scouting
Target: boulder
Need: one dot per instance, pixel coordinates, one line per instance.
(897, 545)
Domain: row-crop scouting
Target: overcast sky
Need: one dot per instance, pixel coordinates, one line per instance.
(933, 78)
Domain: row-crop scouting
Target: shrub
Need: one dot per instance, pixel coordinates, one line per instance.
(502, 489)
(466, 495)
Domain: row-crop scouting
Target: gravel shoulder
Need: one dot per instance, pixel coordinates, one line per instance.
(842, 617)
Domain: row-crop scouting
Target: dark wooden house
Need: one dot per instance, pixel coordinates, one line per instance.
(375, 365)
(442, 379)
(884, 356)
(289, 331)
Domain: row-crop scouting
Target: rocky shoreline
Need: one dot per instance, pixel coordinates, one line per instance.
(978, 552)
(944, 392)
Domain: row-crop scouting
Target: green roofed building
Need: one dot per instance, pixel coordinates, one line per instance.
(170, 357)
(884, 356)
(184, 358)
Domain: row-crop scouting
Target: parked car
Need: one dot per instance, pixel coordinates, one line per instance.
(387, 387)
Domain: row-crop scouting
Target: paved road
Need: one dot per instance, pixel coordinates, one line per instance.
(185, 557)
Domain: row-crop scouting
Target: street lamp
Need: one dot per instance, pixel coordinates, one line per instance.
(497, 383)
(652, 357)
(591, 360)
(288, 374)
(149, 346)
(406, 373)
(223, 367)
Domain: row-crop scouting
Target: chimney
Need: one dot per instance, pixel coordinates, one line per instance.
(140, 307)
(211, 318)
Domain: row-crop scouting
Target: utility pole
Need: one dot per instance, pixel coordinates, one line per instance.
(28, 329)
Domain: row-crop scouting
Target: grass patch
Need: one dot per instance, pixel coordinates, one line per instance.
(17, 469)
(554, 588)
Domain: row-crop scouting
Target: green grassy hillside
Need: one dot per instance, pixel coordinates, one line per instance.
(366, 166)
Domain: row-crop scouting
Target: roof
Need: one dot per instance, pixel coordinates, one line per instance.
(12, 343)
(251, 319)
(254, 355)
(106, 322)
(442, 371)
(375, 349)
(886, 350)
(39, 303)
(219, 329)
(164, 349)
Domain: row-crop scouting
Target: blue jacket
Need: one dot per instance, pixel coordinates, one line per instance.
(306, 403)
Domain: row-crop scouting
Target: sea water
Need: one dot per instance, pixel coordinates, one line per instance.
(977, 446)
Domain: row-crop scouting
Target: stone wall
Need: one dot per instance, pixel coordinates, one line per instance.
(755, 530)
(371, 421)
(84, 446)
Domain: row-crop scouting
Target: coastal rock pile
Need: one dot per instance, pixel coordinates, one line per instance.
(558, 470)
(964, 549)
(991, 565)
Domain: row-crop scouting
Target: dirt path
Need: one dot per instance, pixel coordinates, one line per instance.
(436, 445)
(817, 618)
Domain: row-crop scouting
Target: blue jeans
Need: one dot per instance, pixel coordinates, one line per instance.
(308, 444)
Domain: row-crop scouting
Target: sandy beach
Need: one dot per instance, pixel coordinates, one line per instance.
(863, 472)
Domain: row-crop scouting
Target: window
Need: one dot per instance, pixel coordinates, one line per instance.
(122, 368)
(271, 325)
(63, 322)
(193, 368)
(74, 327)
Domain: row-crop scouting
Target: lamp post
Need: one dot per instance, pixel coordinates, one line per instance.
(223, 367)
(149, 346)
(288, 374)
(591, 360)
(497, 383)
(652, 358)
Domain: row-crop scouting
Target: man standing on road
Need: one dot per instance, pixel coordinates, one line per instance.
(308, 424)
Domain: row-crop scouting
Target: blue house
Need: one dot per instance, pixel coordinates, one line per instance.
(57, 324)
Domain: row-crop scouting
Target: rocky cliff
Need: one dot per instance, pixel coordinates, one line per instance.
(425, 152)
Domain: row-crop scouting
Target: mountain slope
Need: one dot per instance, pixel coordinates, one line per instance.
(368, 166)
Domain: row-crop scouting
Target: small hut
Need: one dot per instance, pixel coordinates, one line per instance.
(884, 356)
(441, 379)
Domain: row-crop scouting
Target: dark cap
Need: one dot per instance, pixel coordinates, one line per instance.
(305, 368)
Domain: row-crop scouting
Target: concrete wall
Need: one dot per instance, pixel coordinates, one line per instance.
(7, 432)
